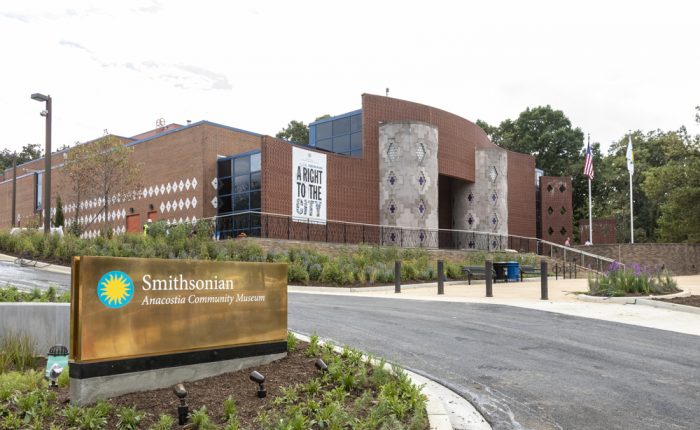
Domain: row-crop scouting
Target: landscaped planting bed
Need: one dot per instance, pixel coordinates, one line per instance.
(351, 394)
(633, 280)
(362, 266)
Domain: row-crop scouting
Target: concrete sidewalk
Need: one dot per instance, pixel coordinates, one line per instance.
(562, 299)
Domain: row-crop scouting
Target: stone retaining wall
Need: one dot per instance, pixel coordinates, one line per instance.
(678, 258)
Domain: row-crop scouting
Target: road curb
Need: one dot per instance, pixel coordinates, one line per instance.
(630, 300)
(438, 416)
(669, 306)
(318, 289)
(48, 267)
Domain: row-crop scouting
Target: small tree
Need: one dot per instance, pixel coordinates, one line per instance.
(58, 219)
(102, 169)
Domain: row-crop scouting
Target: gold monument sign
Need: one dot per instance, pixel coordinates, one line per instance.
(135, 307)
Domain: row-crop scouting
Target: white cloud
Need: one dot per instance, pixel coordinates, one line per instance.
(609, 66)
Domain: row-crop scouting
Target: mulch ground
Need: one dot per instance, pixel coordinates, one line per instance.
(296, 368)
(687, 301)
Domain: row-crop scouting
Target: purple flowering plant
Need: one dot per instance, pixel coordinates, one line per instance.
(633, 279)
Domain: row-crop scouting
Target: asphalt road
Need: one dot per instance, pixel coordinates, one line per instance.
(523, 368)
(28, 278)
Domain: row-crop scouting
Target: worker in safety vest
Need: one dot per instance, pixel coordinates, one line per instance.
(147, 227)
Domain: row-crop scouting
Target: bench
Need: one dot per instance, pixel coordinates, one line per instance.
(472, 271)
(528, 270)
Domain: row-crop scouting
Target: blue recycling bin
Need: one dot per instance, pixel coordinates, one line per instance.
(513, 271)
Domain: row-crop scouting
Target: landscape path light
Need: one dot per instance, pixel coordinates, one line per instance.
(47, 160)
(183, 409)
(259, 379)
(54, 374)
(321, 365)
(57, 358)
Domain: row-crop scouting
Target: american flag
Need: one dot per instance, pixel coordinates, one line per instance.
(588, 164)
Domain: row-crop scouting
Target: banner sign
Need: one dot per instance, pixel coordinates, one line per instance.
(308, 186)
(136, 307)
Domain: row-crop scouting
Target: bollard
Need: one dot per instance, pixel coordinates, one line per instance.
(489, 278)
(441, 277)
(556, 271)
(543, 280)
(397, 276)
(575, 277)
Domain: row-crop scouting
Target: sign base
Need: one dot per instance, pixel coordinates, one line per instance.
(90, 382)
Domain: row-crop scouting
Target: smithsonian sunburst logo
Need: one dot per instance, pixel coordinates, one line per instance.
(115, 289)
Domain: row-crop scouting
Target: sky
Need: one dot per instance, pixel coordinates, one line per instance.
(119, 66)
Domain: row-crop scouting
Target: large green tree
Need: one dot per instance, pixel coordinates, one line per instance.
(543, 132)
(557, 146)
(673, 185)
(29, 152)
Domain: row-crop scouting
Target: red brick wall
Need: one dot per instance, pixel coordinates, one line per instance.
(457, 137)
(190, 153)
(348, 182)
(604, 230)
(559, 201)
(521, 195)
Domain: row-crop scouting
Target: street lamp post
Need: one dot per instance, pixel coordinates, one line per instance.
(47, 160)
(14, 190)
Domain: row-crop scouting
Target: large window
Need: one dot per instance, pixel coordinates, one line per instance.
(239, 188)
(341, 134)
(38, 190)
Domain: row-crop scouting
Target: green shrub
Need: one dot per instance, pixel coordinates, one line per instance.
(63, 380)
(165, 422)
(230, 410)
(18, 351)
(14, 382)
(200, 419)
(292, 342)
(128, 418)
(632, 280)
(296, 272)
(453, 271)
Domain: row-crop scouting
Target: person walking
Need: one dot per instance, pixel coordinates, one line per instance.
(568, 242)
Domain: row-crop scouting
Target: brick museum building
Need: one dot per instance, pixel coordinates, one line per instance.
(392, 172)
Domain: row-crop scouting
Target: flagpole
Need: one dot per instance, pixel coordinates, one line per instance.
(630, 168)
(631, 212)
(590, 204)
(590, 216)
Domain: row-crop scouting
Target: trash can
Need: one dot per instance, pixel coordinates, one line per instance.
(501, 269)
(513, 269)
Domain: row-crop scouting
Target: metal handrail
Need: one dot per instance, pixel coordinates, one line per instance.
(301, 229)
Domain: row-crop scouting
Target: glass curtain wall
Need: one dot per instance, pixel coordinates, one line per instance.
(239, 188)
(341, 134)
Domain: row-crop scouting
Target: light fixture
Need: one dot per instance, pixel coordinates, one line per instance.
(150, 207)
(321, 365)
(131, 210)
(259, 379)
(54, 373)
(39, 97)
(56, 362)
(183, 409)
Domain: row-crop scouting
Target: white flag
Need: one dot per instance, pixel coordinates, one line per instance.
(630, 157)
